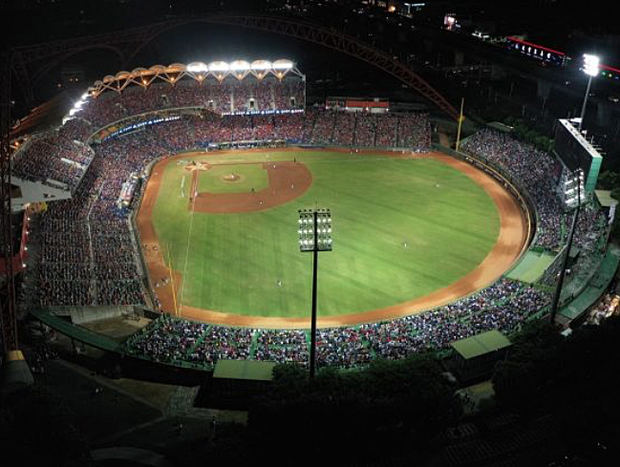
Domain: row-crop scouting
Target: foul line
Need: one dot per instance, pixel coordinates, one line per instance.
(193, 191)
(183, 186)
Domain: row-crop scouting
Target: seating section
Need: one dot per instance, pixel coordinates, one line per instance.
(56, 156)
(414, 131)
(323, 127)
(365, 130)
(344, 129)
(538, 173)
(76, 129)
(504, 305)
(387, 128)
(229, 96)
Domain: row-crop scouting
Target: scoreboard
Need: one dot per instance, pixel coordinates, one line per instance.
(358, 104)
(539, 52)
(577, 152)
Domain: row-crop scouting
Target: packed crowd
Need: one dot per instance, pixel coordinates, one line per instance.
(504, 306)
(365, 130)
(386, 131)
(76, 129)
(168, 340)
(222, 343)
(313, 127)
(54, 157)
(87, 252)
(414, 131)
(344, 129)
(229, 96)
(539, 173)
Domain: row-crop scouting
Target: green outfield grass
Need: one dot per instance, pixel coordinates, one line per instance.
(233, 262)
(251, 176)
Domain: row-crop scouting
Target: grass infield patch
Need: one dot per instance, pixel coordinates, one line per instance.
(217, 179)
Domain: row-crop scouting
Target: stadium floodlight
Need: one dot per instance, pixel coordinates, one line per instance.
(197, 67)
(282, 64)
(315, 230)
(591, 64)
(219, 66)
(240, 69)
(314, 227)
(261, 65)
(239, 65)
(590, 68)
(577, 176)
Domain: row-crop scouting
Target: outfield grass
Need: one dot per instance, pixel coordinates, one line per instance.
(233, 262)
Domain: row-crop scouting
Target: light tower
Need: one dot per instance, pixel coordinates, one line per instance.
(590, 68)
(315, 234)
(578, 177)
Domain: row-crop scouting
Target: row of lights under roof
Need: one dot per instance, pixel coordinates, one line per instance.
(281, 65)
(78, 105)
(240, 65)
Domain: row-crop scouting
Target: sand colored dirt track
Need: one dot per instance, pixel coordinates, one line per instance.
(510, 244)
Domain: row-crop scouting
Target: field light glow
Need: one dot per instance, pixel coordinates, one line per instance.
(591, 64)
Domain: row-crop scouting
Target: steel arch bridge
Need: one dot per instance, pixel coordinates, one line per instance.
(31, 63)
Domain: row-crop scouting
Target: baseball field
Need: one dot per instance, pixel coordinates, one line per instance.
(219, 234)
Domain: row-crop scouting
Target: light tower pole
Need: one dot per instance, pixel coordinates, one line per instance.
(578, 174)
(315, 234)
(590, 68)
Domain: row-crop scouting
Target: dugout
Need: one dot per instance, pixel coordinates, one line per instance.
(476, 356)
(235, 383)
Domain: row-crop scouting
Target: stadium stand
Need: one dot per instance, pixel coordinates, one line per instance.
(365, 130)
(323, 128)
(344, 129)
(504, 305)
(386, 131)
(54, 157)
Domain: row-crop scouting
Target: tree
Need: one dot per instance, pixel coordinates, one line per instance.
(568, 378)
(389, 406)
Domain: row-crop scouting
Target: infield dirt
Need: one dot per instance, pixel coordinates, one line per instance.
(287, 181)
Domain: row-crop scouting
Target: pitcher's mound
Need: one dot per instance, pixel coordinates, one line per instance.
(287, 181)
(232, 177)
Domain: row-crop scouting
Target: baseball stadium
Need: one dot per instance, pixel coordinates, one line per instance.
(175, 192)
(287, 232)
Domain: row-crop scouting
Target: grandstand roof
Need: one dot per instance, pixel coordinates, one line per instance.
(244, 369)
(604, 197)
(198, 71)
(480, 344)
